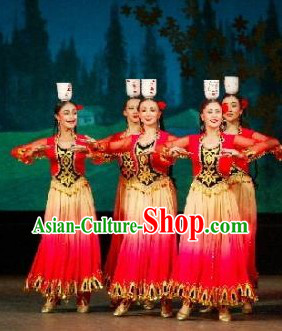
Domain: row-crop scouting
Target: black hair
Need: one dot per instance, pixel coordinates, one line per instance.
(126, 101)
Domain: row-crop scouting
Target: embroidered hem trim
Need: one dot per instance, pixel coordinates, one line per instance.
(76, 187)
(215, 296)
(21, 154)
(63, 289)
(216, 189)
(239, 177)
(155, 186)
(139, 291)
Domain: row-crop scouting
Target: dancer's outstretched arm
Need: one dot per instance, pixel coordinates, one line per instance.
(27, 153)
(254, 148)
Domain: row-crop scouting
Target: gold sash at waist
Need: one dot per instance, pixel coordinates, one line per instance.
(73, 189)
(215, 189)
(158, 184)
(239, 177)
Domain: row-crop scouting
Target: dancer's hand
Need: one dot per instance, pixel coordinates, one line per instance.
(178, 152)
(79, 148)
(27, 153)
(148, 151)
(232, 152)
(40, 148)
(89, 141)
(278, 153)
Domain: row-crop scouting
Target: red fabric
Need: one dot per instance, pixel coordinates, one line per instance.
(116, 239)
(213, 270)
(244, 103)
(79, 107)
(66, 264)
(21, 153)
(225, 107)
(162, 105)
(157, 162)
(242, 163)
(247, 133)
(141, 264)
(119, 136)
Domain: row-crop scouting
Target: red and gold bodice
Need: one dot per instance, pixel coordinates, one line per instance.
(223, 164)
(125, 160)
(146, 174)
(143, 165)
(209, 175)
(67, 174)
(63, 161)
(154, 161)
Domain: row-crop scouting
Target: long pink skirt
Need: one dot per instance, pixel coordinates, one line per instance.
(116, 240)
(243, 188)
(145, 262)
(66, 264)
(212, 271)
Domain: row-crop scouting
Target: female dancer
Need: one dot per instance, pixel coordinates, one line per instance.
(65, 264)
(212, 271)
(240, 180)
(144, 262)
(127, 171)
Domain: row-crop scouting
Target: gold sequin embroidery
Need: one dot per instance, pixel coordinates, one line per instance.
(146, 174)
(127, 166)
(67, 175)
(209, 175)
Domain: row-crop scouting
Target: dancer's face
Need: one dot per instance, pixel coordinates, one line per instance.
(234, 110)
(131, 111)
(67, 116)
(149, 113)
(212, 115)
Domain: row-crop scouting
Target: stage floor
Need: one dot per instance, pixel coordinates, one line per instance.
(21, 311)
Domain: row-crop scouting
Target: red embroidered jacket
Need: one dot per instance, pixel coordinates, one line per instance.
(128, 144)
(242, 163)
(22, 153)
(224, 162)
